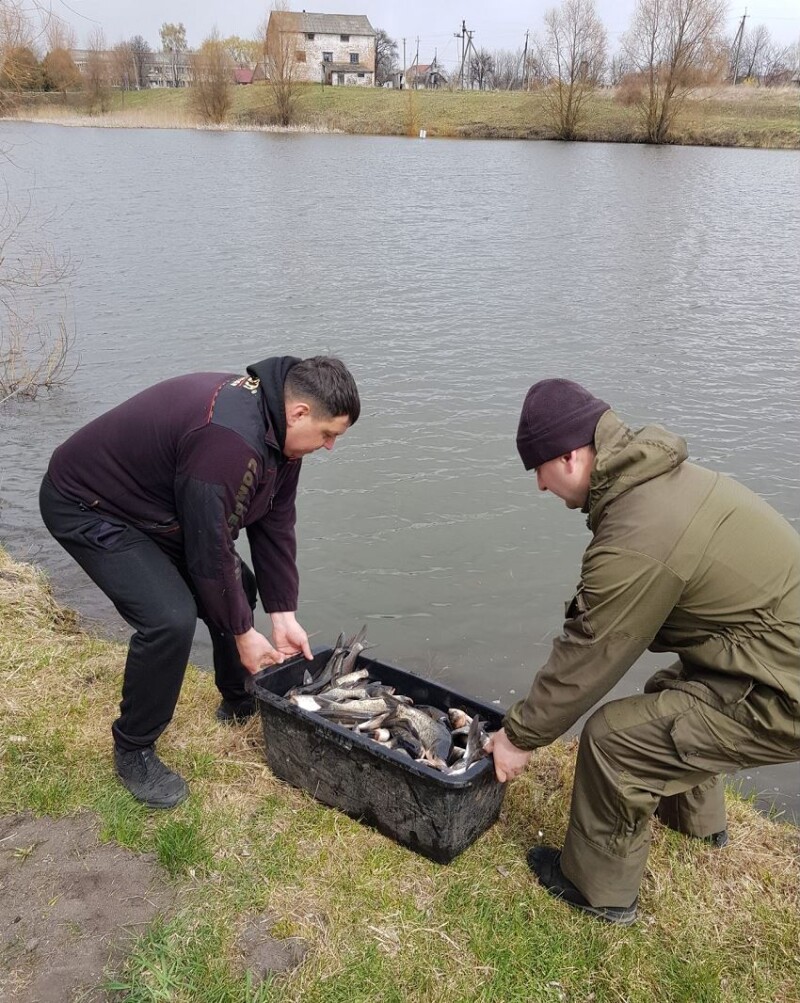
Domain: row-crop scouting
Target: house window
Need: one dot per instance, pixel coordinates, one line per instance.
(327, 57)
(360, 76)
(344, 38)
(353, 57)
(300, 56)
(310, 36)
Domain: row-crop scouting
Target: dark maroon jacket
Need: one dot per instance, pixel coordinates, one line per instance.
(191, 461)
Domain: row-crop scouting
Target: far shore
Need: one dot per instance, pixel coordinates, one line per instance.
(750, 117)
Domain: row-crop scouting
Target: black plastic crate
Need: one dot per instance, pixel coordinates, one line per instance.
(432, 813)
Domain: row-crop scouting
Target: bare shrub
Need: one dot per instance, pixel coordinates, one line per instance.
(280, 61)
(630, 90)
(60, 72)
(674, 45)
(212, 75)
(97, 75)
(573, 54)
(35, 353)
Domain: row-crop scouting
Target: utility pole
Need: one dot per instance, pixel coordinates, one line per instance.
(462, 35)
(469, 35)
(416, 64)
(525, 62)
(737, 45)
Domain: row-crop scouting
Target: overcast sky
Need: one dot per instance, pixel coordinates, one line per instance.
(499, 24)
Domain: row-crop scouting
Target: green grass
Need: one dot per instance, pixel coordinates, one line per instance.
(719, 116)
(381, 923)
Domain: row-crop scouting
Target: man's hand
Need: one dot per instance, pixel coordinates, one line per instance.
(509, 761)
(288, 636)
(255, 651)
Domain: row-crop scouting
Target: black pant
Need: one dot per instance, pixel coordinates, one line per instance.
(152, 592)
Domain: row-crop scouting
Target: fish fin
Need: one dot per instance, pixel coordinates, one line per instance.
(358, 638)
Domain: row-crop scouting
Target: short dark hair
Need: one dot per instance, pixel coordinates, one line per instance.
(328, 383)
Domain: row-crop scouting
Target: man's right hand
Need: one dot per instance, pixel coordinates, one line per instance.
(255, 651)
(509, 761)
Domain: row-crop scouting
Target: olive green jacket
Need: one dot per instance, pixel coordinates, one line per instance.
(685, 560)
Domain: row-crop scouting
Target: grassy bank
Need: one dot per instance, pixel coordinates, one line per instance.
(380, 922)
(723, 116)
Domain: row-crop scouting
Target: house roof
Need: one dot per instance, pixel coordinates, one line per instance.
(330, 24)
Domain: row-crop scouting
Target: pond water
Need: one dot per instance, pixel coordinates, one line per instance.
(450, 276)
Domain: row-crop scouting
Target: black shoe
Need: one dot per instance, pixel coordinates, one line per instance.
(545, 862)
(148, 779)
(236, 711)
(716, 839)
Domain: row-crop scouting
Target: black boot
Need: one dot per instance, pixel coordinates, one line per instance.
(236, 711)
(716, 839)
(545, 862)
(148, 779)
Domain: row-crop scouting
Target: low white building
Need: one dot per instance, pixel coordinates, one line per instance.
(337, 49)
(160, 69)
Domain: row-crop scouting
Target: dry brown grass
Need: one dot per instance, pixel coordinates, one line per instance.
(718, 116)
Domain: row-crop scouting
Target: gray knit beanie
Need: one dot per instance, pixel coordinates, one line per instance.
(557, 417)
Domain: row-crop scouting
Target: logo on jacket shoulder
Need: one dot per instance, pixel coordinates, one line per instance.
(249, 479)
(249, 383)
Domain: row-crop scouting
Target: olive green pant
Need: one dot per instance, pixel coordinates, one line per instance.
(661, 752)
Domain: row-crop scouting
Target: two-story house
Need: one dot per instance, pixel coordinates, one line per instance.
(337, 49)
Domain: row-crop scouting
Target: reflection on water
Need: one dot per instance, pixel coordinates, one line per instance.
(450, 276)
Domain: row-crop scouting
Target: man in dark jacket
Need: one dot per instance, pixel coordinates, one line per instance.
(149, 499)
(682, 559)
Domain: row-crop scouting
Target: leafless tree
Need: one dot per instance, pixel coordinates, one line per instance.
(244, 52)
(481, 70)
(672, 44)
(573, 54)
(761, 59)
(212, 80)
(507, 69)
(173, 41)
(779, 65)
(280, 61)
(386, 55)
(58, 34)
(122, 68)
(140, 53)
(534, 73)
(619, 66)
(97, 75)
(754, 48)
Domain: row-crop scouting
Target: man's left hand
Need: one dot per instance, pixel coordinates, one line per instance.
(288, 636)
(509, 761)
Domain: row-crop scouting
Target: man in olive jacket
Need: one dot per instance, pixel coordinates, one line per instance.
(682, 559)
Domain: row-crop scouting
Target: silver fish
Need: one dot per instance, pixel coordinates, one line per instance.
(459, 718)
(434, 736)
(476, 740)
(353, 677)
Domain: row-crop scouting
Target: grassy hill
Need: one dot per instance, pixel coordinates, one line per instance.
(722, 116)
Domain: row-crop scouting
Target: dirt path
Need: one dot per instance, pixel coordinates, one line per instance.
(70, 907)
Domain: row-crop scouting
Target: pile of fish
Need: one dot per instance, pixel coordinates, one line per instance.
(448, 740)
